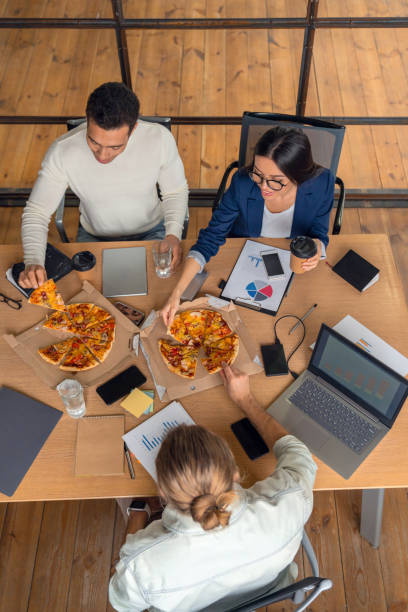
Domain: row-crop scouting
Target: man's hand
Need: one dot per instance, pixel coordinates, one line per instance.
(177, 253)
(312, 262)
(237, 385)
(170, 309)
(32, 277)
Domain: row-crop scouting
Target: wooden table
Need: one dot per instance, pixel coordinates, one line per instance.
(382, 309)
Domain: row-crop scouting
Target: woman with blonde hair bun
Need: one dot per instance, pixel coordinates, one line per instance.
(217, 545)
(196, 471)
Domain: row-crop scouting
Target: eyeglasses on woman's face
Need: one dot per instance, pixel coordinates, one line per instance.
(273, 184)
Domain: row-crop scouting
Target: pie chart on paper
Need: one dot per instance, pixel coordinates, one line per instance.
(258, 291)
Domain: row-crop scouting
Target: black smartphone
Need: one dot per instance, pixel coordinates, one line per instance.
(121, 384)
(135, 315)
(274, 360)
(272, 263)
(250, 440)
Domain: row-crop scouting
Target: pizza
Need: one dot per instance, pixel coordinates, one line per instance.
(55, 353)
(196, 330)
(188, 327)
(59, 321)
(46, 295)
(103, 331)
(78, 358)
(97, 315)
(99, 348)
(180, 359)
(96, 330)
(219, 353)
(216, 327)
(79, 313)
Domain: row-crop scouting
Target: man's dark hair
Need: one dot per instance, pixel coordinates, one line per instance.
(290, 149)
(113, 105)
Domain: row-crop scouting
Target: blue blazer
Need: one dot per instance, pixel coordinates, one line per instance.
(240, 212)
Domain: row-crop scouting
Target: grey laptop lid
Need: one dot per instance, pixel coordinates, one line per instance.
(124, 271)
(361, 383)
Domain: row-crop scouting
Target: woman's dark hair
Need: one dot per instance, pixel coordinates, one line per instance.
(290, 149)
(113, 105)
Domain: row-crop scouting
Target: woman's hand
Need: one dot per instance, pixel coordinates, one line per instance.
(32, 277)
(311, 263)
(236, 384)
(170, 309)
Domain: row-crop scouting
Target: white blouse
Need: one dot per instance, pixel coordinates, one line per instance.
(277, 225)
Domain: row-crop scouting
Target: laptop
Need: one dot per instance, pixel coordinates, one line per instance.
(124, 272)
(343, 404)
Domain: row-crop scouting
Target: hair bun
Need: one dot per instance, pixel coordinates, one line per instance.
(211, 512)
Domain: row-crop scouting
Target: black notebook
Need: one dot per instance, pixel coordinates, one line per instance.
(25, 426)
(57, 265)
(356, 270)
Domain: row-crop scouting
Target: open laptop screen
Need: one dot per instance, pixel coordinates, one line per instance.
(358, 375)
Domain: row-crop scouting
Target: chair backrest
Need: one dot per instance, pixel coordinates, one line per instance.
(165, 121)
(326, 139)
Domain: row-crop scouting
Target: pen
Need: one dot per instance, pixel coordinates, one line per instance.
(129, 461)
(303, 318)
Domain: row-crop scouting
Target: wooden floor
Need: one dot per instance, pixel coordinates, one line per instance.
(201, 72)
(56, 556)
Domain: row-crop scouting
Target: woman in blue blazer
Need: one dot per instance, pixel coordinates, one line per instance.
(283, 194)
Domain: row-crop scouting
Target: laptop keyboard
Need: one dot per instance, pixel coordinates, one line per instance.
(333, 415)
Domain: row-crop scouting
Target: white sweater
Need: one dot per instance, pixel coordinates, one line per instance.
(116, 199)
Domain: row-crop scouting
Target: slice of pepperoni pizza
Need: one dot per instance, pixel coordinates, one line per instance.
(222, 352)
(103, 331)
(216, 327)
(78, 358)
(59, 321)
(46, 295)
(79, 313)
(181, 360)
(97, 315)
(99, 348)
(55, 353)
(188, 327)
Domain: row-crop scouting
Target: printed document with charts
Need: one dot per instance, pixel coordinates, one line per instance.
(144, 440)
(249, 283)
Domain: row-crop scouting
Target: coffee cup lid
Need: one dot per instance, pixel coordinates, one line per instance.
(303, 246)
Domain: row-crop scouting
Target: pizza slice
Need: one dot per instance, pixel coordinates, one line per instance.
(222, 352)
(79, 313)
(188, 327)
(59, 321)
(216, 327)
(46, 295)
(78, 358)
(55, 353)
(103, 331)
(97, 315)
(99, 348)
(181, 360)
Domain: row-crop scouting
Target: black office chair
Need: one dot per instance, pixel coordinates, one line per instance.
(59, 213)
(296, 592)
(326, 140)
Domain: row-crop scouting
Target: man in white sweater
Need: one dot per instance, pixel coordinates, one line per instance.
(113, 163)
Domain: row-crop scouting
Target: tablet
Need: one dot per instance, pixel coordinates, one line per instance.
(124, 272)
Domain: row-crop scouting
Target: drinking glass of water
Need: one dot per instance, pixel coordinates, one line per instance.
(162, 255)
(72, 395)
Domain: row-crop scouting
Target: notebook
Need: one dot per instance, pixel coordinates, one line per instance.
(56, 264)
(343, 404)
(124, 272)
(356, 270)
(99, 449)
(25, 427)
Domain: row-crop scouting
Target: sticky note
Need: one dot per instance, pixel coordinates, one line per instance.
(136, 402)
(149, 410)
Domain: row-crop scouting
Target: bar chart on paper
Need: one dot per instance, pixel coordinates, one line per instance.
(144, 440)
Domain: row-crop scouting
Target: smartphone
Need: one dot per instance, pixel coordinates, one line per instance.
(193, 288)
(274, 360)
(136, 316)
(272, 264)
(250, 440)
(121, 384)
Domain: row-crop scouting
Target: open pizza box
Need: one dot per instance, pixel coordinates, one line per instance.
(28, 342)
(169, 385)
